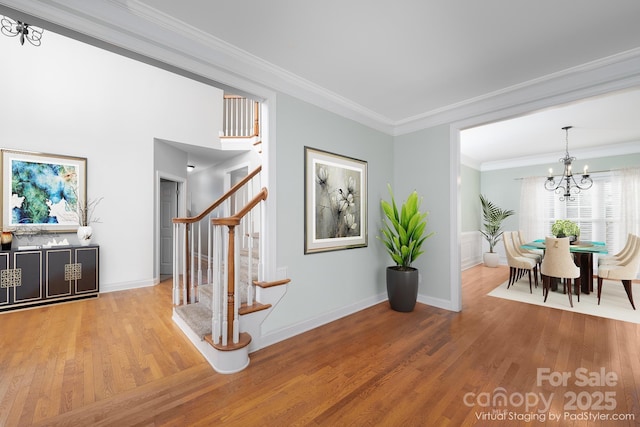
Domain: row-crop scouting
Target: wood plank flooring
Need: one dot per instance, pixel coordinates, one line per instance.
(119, 361)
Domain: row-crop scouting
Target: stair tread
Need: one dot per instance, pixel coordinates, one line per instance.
(197, 316)
(245, 340)
(271, 284)
(256, 306)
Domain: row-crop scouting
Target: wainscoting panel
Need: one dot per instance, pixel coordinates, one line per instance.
(470, 249)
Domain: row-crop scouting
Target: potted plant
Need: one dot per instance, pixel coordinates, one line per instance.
(566, 228)
(492, 228)
(403, 234)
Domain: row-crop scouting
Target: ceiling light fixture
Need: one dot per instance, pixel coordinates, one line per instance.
(11, 28)
(566, 185)
(190, 168)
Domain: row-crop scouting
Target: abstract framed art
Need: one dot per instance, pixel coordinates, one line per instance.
(40, 192)
(335, 202)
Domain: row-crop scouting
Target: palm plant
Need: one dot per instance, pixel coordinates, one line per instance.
(493, 217)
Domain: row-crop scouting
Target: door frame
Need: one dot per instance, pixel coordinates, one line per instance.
(182, 211)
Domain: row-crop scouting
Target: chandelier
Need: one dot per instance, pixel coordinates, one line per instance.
(566, 185)
(12, 28)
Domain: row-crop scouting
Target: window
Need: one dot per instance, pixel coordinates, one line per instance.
(597, 211)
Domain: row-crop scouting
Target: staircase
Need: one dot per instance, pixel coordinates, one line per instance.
(220, 295)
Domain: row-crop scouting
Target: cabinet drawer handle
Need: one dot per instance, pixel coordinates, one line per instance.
(11, 278)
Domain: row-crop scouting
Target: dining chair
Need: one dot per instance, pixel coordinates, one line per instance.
(518, 264)
(626, 271)
(558, 262)
(626, 251)
(518, 241)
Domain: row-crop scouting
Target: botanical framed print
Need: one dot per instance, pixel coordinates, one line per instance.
(40, 192)
(335, 201)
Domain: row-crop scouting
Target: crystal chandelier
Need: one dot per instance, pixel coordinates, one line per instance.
(566, 185)
(11, 28)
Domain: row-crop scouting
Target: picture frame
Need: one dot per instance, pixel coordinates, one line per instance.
(40, 191)
(335, 202)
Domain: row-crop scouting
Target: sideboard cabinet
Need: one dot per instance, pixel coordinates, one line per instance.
(41, 276)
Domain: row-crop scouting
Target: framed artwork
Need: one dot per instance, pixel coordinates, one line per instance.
(40, 192)
(335, 202)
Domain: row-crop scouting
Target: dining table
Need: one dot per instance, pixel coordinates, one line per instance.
(582, 254)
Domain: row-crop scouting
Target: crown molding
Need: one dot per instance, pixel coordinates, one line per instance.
(139, 28)
(582, 154)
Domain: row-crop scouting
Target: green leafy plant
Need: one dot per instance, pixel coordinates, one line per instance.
(565, 228)
(403, 231)
(492, 221)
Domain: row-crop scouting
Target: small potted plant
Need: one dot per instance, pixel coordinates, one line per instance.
(566, 228)
(403, 234)
(492, 228)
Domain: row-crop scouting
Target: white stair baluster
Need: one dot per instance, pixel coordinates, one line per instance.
(236, 296)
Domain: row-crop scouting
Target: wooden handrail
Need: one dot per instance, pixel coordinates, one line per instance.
(236, 187)
(235, 219)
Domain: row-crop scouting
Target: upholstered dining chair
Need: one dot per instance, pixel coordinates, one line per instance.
(518, 264)
(624, 253)
(558, 263)
(625, 270)
(518, 241)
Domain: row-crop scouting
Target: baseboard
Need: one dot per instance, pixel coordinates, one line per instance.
(123, 286)
(436, 302)
(290, 331)
(293, 330)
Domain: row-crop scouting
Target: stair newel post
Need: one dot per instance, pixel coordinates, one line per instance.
(225, 286)
(231, 279)
(256, 118)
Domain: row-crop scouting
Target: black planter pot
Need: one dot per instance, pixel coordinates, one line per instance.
(402, 287)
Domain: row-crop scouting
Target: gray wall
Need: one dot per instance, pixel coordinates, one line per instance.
(327, 281)
(469, 202)
(422, 162)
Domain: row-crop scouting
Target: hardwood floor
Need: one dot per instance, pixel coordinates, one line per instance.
(119, 361)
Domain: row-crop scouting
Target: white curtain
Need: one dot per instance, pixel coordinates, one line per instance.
(629, 181)
(531, 213)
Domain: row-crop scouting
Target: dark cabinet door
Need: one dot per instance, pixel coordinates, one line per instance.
(29, 267)
(59, 272)
(4, 280)
(88, 280)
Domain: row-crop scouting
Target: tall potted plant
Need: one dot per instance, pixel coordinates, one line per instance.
(403, 234)
(492, 228)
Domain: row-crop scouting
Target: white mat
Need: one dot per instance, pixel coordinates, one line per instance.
(614, 303)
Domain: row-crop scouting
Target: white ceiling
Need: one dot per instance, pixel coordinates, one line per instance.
(394, 62)
(408, 58)
(605, 125)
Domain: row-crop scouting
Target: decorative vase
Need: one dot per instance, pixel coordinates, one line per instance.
(402, 288)
(84, 235)
(6, 239)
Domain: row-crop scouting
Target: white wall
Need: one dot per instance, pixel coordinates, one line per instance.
(68, 98)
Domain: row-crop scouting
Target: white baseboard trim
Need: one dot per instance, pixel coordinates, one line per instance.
(123, 286)
(436, 302)
(293, 330)
(302, 327)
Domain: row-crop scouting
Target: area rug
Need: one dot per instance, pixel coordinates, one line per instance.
(614, 303)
